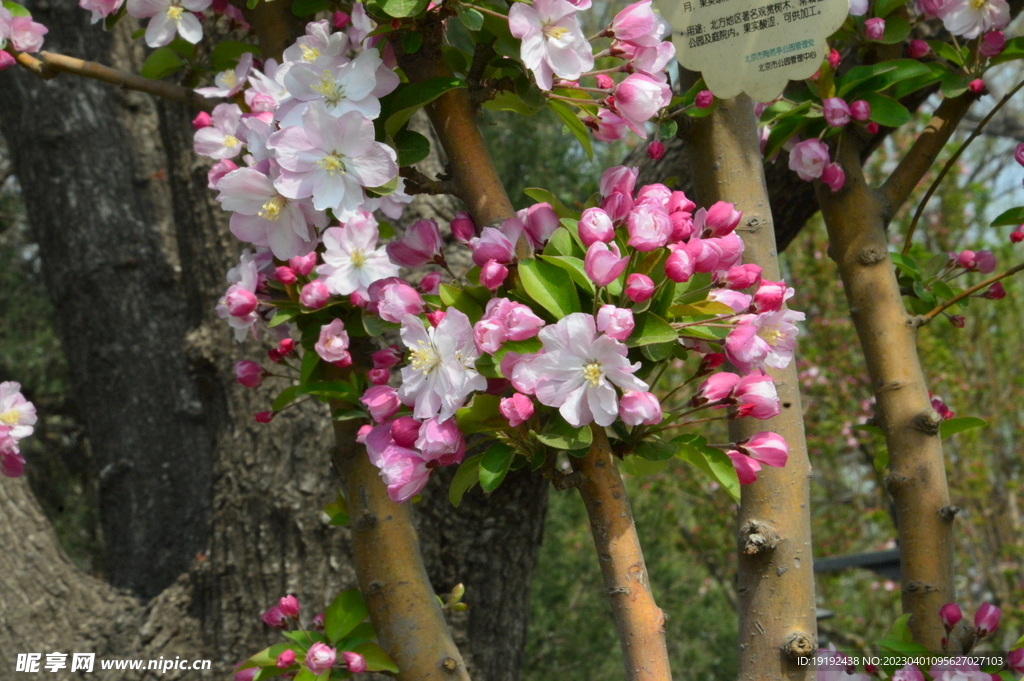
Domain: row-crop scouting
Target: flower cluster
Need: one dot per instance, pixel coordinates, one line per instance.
(17, 418)
(19, 32)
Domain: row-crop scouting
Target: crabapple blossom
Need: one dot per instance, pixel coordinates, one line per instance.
(552, 40)
(756, 397)
(614, 321)
(986, 619)
(771, 295)
(837, 111)
(517, 409)
(639, 287)
(274, 618)
(405, 430)
(971, 18)
(404, 471)
(595, 225)
(918, 49)
(492, 275)
(540, 221)
(578, 370)
(239, 302)
(908, 672)
(320, 658)
(218, 139)
(496, 244)
(874, 29)
(716, 388)
(230, 82)
(995, 292)
(27, 35)
(463, 228)
(248, 373)
(169, 17)
(382, 402)
(649, 227)
(742, 276)
(339, 85)
(285, 659)
(704, 99)
(950, 614)
(1018, 154)
(717, 221)
(860, 110)
(218, 171)
(351, 260)
(808, 159)
(12, 463)
(285, 275)
(421, 243)
(737, 302)
(603, 263)
(331, 160)
(763, 448)
(679, 266)
(638, 98)
(314, 295)
(332, 345)
(621, 180)
(1015, 660)
(638, 25)
(441, 373)
(245, 276)
(834, 177)
(303, 264)
(441, 441)
(637, 408)
(100, 8)
(607, 126)
(764, 339)
(655, 150)
(392, 299)
(355, 662)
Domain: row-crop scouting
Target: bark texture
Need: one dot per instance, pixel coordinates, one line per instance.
(855, 217)
(775, 574)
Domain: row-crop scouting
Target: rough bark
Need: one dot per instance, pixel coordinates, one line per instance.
(855, 217)
(133, 224)
(775, 574)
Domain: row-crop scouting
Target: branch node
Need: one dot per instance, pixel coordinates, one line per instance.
(364, 522)
(563, 481)
(948, 513)
(927, 422)
(894, 481)
(917, 321)
(757, 537)
(449, 664)
(624, 590)
(872, 255)
(915, 587)
(800, 645)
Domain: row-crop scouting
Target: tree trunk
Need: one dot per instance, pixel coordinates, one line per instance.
(214, 515)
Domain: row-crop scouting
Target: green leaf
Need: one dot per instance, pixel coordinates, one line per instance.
(384, 189)
(376, 659)
(461, 301)
(942, 290)
(901, 70)
(648, 329)
(896, 31)
(912, 85)
(1014, 50)
(960, 424)
(481, 415)
(15, 9)
(782, 132)
(861, 74)
(348, 414)
(694, 450)
(162, 62)
(510, 101)
(947, 51)
(310, 360)
(955, 84)
(559, 434)
(337, 510)
(410, 98)
(654, 450)
(884, 8)
(376, 326)
(470, 18)
(886, 110)
(781, 109)
(305, 8)
(574, 266)
(1014, 216)
(343, 614)
(924, 294)
(573, 124)
(401, 9)
(544, 196)
(284, 314)
(226, 55)
(900, 631)
(903, 647)
(494, 465)
(464, 478)
(550, 286)
(411, 42)
(869, 428)
(411, 146)
(906, 264)
(337, 390)
(639, 466)
(269, 672)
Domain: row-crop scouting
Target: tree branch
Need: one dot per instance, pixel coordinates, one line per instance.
(49, 65)
(640, 621)
(929, 144)
(421, 184)
(925, 318)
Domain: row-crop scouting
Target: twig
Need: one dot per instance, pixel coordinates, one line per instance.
(421, 184)
(925, 318)
(50, 64)
(949, 164)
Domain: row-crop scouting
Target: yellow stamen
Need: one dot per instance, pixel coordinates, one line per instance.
(771, 336)
(231, 141)
(332, 163)
(174, 12)
(330, 90)
(9, 417)
(228, 78)
(358, 259)
(423, 358)
(310, 53)
(272, 209)
(978, 4)
(592, 372)
(555, 32)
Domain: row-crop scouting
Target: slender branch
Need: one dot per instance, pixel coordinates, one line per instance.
(640, 621)
(421, 184)
(952, 160)
(919, 159)
(935, 312)
(50, 64)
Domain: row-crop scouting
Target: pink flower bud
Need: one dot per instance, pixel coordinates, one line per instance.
(720, 220)
(977, 86)
(995, 292)
(492, 275)
(603, 264)
(264, 417)
(202, 120)
(1015, 660)
(918, 49)
(289, 606)
(649, 227)
(421, 243)
(320, 658)
(274, 617)
(430, 284)
(492, 244)
(285, 275)
(240, 302)
(986, 619)
(768, 448)
(833, 59)
(314, 295)
(871, 127)
(286, 659)
(340, 20)
(639, 407)
(386, 358)
(6, 62)
(247, 674)
(248, 373)
(604, 81)
(716, 388)
(756, 397)
(392, 299)
(808, 159)
(957, 320)
(618, 206)
(489, 335)
(656, 195)
(218, 171)
(678, 203)
(1017, 236)
(303, 264)
(435, 317)
(540, 221)
(1018, 156)
(595, 225)
(860, 110)
(771, 295)
(874, 29)
(704, 99)
(742, 276)
(332, 345)
(405, 430)
(636, 23)
(639, 287)
(378, 376)
(355, 662)
(463, 227)
(382, 402)
(837, 111)
(441, 441)
(655, 150)
(679, 266)
(517, 409)
(615, 322)
(992, 44)
(618, 180)
(834, 177)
